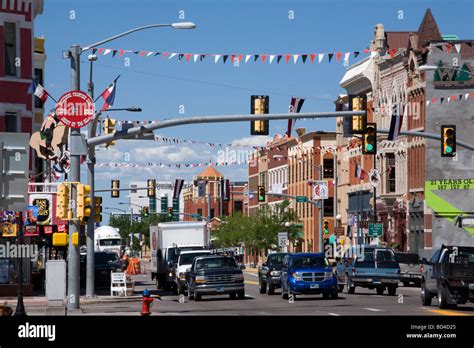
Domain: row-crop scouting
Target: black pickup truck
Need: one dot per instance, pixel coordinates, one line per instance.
(449, 275)
(214, 275)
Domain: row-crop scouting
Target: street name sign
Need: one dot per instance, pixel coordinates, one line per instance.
(320, 190)
(301, 199)
(338, 231)
(75, 109)
(375, 229)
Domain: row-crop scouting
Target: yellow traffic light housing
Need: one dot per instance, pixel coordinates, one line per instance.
(151, 185)
(326, 226)
(62, 201)
(84, 202)
(259, 105)
(448, 141)
(109, 128)
(359, 122)
(115, 185)
(369, 139)
(97, 209)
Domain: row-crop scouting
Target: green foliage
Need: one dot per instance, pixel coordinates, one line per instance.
(257, 232)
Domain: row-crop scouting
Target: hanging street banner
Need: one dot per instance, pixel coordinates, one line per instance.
(320, 190)
(75, 109)
(450, 184)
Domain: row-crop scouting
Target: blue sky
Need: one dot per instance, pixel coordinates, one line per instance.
(160, 86)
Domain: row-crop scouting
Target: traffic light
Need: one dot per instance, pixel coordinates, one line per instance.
(170, 213)
(369, 139)
(151, 184)
(62, 201)
(326, 226)
(145, 212)
(261, 193)
(115, 184)
(259, 105)
(448, 141)
(97, 209)
(84, 202)
(109, 128)
(358, 123)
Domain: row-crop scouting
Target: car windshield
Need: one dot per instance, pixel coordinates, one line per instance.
(309, 261)
(106, 258)
(216, 262)
(187, 259)
(275, 259)
(173, 253)
(109, 242)
(410, 258)
(386, 259)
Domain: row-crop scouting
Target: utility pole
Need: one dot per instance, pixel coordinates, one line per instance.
(74, 176)
(320, 213)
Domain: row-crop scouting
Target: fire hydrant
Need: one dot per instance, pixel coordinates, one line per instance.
(146, 303)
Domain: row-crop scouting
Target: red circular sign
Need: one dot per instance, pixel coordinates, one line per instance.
(75, 109)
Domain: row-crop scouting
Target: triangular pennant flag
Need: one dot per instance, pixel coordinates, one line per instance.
(448, 48)
(433, 100)
(121, 53)
(201, 57)
(279, 58)
(196, 56)
(180, 56)
(366, 50)
(304, 57)
(99, 52)
(224, 57)
(94, 50)
(157, 54)
(311, 57)
(149, 54)
(142, 53)
(239, 58)
(107, 51)
(472, 94)
(188, 56)
(338, 56)
(460, 97)
(449, 99)
(392, 53)
(346, 57)
(356, 53)
(216, 58)
(454, 97)
(427, 102)
(287, 58)
(172, 55)
(255, 57)
(439, 47)
(295, 58)
(114, 53)
(264, 56)
(330, 55)
(458, 47)
(441, 100)
(232, 57)
(320, 57)
(466, 96)
(272, 57)
(247, 57)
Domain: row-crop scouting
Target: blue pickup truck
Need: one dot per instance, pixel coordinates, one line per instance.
(307, 274)
(371, 267)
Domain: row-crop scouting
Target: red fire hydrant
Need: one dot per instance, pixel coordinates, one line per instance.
(146, 303)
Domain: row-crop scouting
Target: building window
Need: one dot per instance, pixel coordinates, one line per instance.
(328, 168)
(9, 48)
(328, 207)
(262, 179)
(212, 214)
(199, 211)
(238, 206)
(11, 122)
(391, 177)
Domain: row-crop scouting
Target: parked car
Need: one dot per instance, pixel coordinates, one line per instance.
(449, 275)
(269, 273)
(185, 260)
(307, 274)
(369, 267)
(105, 262)
(410, 270)
(215, 275)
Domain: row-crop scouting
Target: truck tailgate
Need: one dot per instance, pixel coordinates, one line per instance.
(464, 271)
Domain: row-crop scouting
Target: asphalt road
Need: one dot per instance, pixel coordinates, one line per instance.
(363, 302)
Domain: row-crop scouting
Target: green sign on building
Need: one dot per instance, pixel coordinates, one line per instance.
(375, 230)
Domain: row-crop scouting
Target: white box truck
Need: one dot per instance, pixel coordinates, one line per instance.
(167, 240)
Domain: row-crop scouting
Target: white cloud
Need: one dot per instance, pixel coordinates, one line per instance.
(170, 154)
(258, 140)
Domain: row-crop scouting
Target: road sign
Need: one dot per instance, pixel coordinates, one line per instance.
(14, 166)
(75, 109)
(282, 239)
(301, 199)
(374, 177)
(338, 231)
(320, 190)
(332, 239)
(375, 230)
(195, 216)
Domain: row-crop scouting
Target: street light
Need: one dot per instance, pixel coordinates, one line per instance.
(183, 25)
(434, 67)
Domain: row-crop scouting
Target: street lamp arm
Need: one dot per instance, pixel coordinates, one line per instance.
(123, 34)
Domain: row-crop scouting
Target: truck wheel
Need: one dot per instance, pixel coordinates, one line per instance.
(284, 294)
(190, 294)
(232, 295)
(197, 297)
(443, 298)
(392, 290)
(325, 295)
(241, 295)
(349, 286)
(425, 295)
(406, 284)
(380, 290)
(334, 295)
(271, 289)
(340, 288)
(262, 287)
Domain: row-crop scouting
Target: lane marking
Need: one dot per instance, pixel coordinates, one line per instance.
(450, 313)
(252, 274)
(250, 282)
(335, 314)
(374, 309)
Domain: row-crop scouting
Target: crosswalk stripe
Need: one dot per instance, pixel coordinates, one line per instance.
(335, 314)
(250, 282)
(374, 309)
